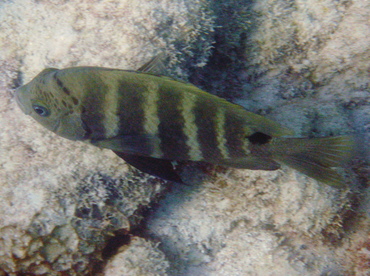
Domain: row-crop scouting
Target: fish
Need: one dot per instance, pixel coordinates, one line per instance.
(151, 120)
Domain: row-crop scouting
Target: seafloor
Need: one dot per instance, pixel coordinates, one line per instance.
(68, 208)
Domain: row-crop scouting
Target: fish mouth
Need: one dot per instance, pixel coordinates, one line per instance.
(20, 104)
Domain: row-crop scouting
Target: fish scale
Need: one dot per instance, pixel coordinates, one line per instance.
(220, 134)
(208, 129)
(190, 127)
(152, 121)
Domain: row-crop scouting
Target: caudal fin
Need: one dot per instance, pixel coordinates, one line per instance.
(315, 157)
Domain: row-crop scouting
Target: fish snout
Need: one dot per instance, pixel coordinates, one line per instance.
(18, 99)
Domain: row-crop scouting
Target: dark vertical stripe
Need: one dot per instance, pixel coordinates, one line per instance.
(131, 113)
(131, 97)
(61, 84)
(235, 135)
(205, 117)
(171, 126)
(92, 114)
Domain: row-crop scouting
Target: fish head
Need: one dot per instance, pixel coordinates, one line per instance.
(44, 101)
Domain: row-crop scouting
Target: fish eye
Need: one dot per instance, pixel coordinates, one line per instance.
(40, 110)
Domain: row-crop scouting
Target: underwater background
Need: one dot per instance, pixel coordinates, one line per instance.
(67, 208)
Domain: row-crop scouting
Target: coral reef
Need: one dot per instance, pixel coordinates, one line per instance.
(67, 207)
(129, 260)
(121, 34)
(250, 223)
(61, 201)
(304, 64)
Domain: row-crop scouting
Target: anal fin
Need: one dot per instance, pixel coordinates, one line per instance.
(161, 168)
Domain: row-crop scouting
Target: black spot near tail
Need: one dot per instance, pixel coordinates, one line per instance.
(259, 138)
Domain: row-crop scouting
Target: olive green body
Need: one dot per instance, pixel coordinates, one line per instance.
(147, 119)
(151, 115)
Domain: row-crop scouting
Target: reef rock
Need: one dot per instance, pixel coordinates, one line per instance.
(61, 201)
(305, 65)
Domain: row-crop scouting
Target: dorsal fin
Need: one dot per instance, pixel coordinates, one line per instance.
(155, 65)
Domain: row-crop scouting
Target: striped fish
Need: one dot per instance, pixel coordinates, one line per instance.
(150, 120)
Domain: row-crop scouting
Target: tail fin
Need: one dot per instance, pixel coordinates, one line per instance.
(315, 157)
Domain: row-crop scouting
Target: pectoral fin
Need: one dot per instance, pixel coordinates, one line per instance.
(132, 144)
(158, 167)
